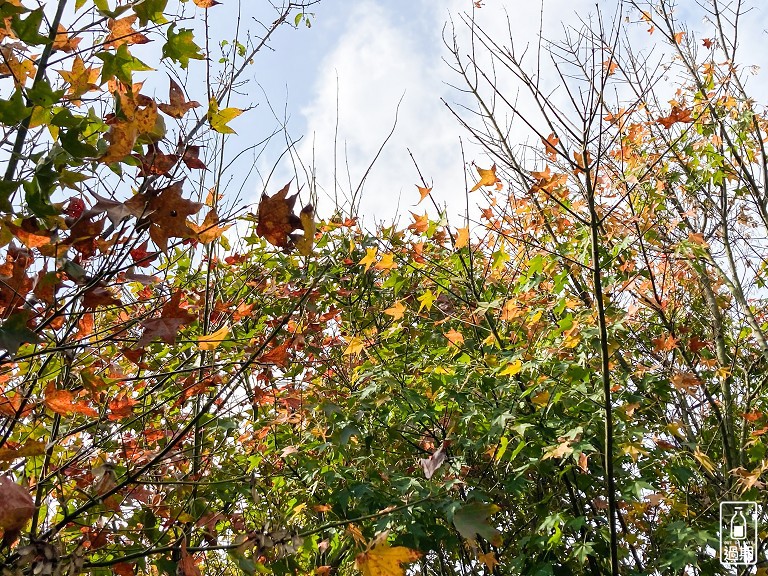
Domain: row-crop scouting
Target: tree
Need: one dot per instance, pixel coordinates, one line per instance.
(569, 386)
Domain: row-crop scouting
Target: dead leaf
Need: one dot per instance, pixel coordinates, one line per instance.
(423, 192)
(172, 317)
(121, 32)
(430, 465)
(16, 508)
(276, 219)
(178, 106)
(167, 213)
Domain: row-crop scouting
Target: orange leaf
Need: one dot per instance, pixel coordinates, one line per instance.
(209, 230)
(487, 177)
(549, 146)
(420, 223)
(64, 402)
(462, 237)
(121, 32)
(64, 42)
(679, 37)
(423, 192)
(206, 3)
(455, 337)
(397, 310)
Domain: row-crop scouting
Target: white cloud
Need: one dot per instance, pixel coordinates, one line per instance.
(390, 48)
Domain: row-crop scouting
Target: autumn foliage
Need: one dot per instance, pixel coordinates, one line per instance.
(567, 385)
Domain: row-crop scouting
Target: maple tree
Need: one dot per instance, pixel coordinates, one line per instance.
(567, 386)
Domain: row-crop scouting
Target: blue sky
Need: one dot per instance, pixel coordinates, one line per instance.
(371, 53)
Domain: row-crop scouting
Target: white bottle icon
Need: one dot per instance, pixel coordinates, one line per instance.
(738, 525)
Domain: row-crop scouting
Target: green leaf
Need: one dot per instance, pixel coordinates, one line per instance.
(150, 11)
(71, 141)
(220, 118)
(298, 18)
(120, 65)
(28, 29)
(7, 188)
(13, 111)
(472, 520)
(38, 190)
(14, 332)
(41, 94)
(180, 47)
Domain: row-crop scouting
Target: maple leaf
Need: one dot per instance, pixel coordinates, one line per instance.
(65, 403)
(472, 520)
(676, 115)
(549, 146)
(16, 508)
(178, 103)
(387, 262)
(278, 355)
(455, 337)
(489, 559)
(432, 464)
(12, 66)
(276, 219)
(219, 118)
(14, 332)
(116, 211)
(64, 42)
(191, 158)
(121, 32)
(664, 343)
(172, 317)
(426, 299)
(121, 407)
(369, 258)
(167, 213)
(708, 42)
(420, 223)
(209, 230)
(381, 559)
(423, 192)
(214, 339)
(397, 310)
(679, 37)
(487, 178)
(305, 242)
(156, 162)
(206, 3)
(139, 118)
(355, 346)
(462, 237)
(610, 66)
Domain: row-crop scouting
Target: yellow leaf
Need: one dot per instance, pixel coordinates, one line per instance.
(455, 337)
(304, 243)
(212, 341)
(704, 460)
(541, 399)
(355, 346)
(396, 310)
(219, 118)
(386, 263)
(512, 368)
(487, 178)
(385, 560)
(370, 257)
(462, 237)
(426, 299)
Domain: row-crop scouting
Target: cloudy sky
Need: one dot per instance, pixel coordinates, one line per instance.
(342, 80)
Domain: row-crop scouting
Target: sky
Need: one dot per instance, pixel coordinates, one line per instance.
(348, 73)
(366, 67)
